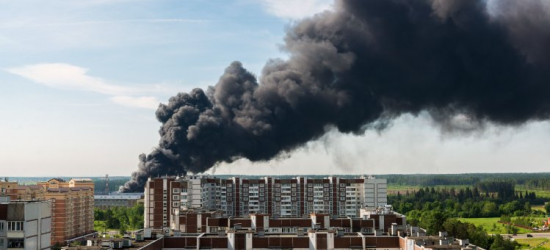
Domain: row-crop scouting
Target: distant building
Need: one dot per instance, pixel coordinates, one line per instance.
(236, 196)
(25, 224)
(117, 200)
(72, 204)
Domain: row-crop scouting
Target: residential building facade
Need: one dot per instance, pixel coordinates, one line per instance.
(72, 207)
(295, 197)
(25, 224)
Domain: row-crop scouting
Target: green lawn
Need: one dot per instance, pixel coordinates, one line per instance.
(533, 243)
(538, 192)
(491, 225)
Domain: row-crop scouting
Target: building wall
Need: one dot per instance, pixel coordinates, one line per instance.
(110, 201)
(376, 193)
(158, 198)
(38, 225)
(25, 225)
(3, 226)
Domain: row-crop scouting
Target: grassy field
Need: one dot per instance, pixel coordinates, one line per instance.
(540, 193)
(538, 208)
(491, 225)
(534, 243)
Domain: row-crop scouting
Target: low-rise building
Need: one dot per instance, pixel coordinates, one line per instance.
(377, 229)
(117, 200)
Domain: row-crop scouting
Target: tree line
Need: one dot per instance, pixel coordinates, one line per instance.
(468, 202)
(530, 180)
(121, 218)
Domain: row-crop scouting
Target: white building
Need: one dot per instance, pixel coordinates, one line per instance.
(25, 225)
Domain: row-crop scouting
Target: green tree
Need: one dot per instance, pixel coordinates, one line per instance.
(499, 243)
(547, 207)
(122, 230)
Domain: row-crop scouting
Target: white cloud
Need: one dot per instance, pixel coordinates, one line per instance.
(148, 102)
(70, 77)
(292, 9)
(66, 76)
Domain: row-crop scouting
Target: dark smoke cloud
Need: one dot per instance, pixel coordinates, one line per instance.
(358, 67)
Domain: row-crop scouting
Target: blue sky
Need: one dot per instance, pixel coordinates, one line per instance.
(80, 81)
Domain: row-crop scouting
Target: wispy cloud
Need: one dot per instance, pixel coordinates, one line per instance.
(37, 24)
(291, 9)
(148, 102)
(70, 77)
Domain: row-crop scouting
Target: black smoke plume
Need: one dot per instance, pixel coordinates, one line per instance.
(364, 63)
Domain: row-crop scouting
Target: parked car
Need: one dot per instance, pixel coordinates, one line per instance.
(529, 235)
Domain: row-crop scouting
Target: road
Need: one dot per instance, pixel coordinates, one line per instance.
(524, 236)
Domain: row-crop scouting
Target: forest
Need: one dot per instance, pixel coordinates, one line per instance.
(440, 209)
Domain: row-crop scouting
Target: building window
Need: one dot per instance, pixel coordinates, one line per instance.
(15, 226)
(175, 190)
(1, 226)
(16, 243)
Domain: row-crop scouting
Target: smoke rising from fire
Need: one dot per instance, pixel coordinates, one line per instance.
(358, 67)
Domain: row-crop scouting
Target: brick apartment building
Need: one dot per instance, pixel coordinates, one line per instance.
(72, 204)
(280, 197)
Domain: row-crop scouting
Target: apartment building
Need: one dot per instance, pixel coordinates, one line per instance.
(72, 207)
(25, 224)
(236, 196)
(72, 204)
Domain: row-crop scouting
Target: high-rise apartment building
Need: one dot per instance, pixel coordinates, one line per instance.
(236, 196)
(72, 207)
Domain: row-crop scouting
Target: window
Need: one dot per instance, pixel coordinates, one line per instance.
(175, 190)
(16, 243)
(15, 226)
(1, 227)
